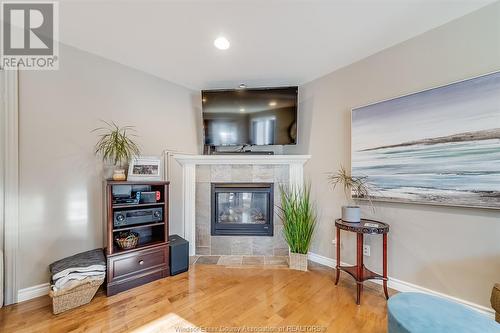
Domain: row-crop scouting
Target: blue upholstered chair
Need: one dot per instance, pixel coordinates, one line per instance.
(422, 313)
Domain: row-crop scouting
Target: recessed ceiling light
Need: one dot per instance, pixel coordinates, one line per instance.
(242, 109)
(272, 103)
(221, 43)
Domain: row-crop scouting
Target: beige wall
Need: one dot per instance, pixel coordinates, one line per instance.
(60, 179)
(455, 251)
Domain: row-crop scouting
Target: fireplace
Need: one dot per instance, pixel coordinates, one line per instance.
(244, 209)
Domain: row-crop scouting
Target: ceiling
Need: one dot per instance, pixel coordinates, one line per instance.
(273, 43)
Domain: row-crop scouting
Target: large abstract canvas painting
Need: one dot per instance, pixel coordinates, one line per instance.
(439, 146)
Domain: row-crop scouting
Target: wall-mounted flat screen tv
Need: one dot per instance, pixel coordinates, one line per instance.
(264, 116)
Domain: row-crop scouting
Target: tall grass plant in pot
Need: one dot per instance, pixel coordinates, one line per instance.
(116, 146)
(299, 220)
(354, 187)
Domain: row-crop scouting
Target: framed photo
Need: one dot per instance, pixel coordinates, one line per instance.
(144, 168)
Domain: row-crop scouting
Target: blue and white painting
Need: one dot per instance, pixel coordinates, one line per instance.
(439, 146)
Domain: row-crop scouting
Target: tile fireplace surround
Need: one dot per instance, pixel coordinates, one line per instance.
(199, 171)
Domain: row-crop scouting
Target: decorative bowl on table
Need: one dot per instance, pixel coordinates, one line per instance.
(127, 240)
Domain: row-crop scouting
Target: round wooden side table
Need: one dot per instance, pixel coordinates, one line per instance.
(359, 272)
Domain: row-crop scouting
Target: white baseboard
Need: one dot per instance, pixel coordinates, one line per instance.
(403, 286)
(32, 292)
(322, 260)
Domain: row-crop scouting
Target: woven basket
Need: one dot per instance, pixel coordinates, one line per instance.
(298, 261)
(495, 301)
(64, 300)
(127, 240)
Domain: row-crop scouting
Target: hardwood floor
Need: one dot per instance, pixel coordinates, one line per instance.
(216, 298)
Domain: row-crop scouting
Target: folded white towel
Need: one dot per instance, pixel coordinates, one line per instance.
(92, 268)
(60, 283)
(75, 283)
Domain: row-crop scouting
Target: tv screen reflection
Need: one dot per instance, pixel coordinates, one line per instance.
(250, 116)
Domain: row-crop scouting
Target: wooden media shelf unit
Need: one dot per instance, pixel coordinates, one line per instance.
(149, 260)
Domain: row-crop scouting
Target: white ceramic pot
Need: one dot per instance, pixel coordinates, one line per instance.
(351, 214)
(298, 261)
(107, 171)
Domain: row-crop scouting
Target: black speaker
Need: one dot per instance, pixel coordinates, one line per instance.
(179, 254)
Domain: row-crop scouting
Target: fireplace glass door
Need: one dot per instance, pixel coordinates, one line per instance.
(242, 209)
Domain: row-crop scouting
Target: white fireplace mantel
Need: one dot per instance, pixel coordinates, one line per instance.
(189, 162)
(185, 159)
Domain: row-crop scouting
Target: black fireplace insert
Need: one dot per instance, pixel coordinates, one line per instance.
(244, 209)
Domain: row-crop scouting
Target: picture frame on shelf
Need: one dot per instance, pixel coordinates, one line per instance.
(145, 168)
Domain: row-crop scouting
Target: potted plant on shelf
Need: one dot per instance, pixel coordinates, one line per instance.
(299, 221)
(115, 145)
(354, 187)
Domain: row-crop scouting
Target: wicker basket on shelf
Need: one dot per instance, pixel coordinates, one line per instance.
(64, 300)
(127, 240)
